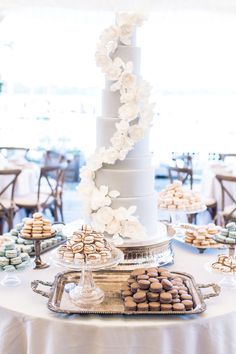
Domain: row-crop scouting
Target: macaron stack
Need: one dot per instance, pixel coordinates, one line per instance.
(175, 198)
(156, 289)
(11, 258)
(85, 245)
(28, 245)
(227, 234)
(36, 227)
(201, 235)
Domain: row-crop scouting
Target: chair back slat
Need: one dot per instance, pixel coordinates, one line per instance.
(183, 174)
(225, 183)
(9, 185)
(9, 151)
(53, 183)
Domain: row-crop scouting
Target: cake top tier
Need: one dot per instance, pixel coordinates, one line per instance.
(121, 34)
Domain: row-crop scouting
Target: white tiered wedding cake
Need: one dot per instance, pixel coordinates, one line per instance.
(117, 184)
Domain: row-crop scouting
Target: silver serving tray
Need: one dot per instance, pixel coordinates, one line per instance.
(110, 282)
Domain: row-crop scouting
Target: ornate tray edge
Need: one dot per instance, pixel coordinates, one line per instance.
(199, 309)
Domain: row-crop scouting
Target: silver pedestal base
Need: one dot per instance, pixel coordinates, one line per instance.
(157, 254)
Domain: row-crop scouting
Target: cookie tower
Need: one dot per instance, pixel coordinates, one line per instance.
(117, 184)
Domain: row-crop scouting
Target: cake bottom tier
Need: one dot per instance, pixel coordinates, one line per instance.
(146, 210)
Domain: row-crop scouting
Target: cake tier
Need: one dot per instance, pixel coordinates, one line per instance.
(130, 163)
(146, 210)
(105, 130)
(130, 183)
(129, 53)
(110, 103)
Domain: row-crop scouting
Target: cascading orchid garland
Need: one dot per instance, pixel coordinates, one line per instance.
(134, 98)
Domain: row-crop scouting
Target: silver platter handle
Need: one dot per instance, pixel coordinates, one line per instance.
(35, 284)
(216, 290)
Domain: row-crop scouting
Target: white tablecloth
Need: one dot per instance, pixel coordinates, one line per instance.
(28, 327)
(26, 182)
(210, 187)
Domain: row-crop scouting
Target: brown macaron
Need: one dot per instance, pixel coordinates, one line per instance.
(144, 306)
(153, 296)
(154, 306)
(173, 292)
(130, 306)
(165, 298)
(186, 297)
(156, 287)
(136, 272)
(143, 277)
(188, 304)
(126, 293)
(134, 287)
(140, 296)
(166, 307)
(144, 284)
(167, 285)
(153, 280)
(178, 307)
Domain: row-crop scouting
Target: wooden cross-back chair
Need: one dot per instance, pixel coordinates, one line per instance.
(228, 189)
(52, 158)
(223, 157)
(49, 193)
(184, 160)
(8, 180)
(183, 174)
(10, 151)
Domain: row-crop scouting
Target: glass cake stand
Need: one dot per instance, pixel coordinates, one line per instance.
(11, 278)
(226, 265)
(177, 216)
(86, 293)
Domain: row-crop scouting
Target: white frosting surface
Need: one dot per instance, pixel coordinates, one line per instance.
(110, 103)
(146, 210)
(130, 53)
(131, 163)
(130, 183)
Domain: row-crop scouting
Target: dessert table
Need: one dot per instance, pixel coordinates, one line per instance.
(27, 326)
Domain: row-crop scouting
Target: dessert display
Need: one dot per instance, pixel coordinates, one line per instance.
(87, 251)
(187, 301)
(36, 227)
(226, 264)
(11, 258)
(117, 184)
(85, 245)
(156, 289)
(28, 245)
(176, 198)
(227, 234)
(201, 236)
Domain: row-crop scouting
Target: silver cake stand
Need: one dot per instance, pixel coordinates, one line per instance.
(152, 252)
(157, 251)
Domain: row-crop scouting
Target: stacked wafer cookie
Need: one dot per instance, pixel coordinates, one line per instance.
(36, 227)
(201, 235)
(11, 257)
(176, 198)
(85, 245)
